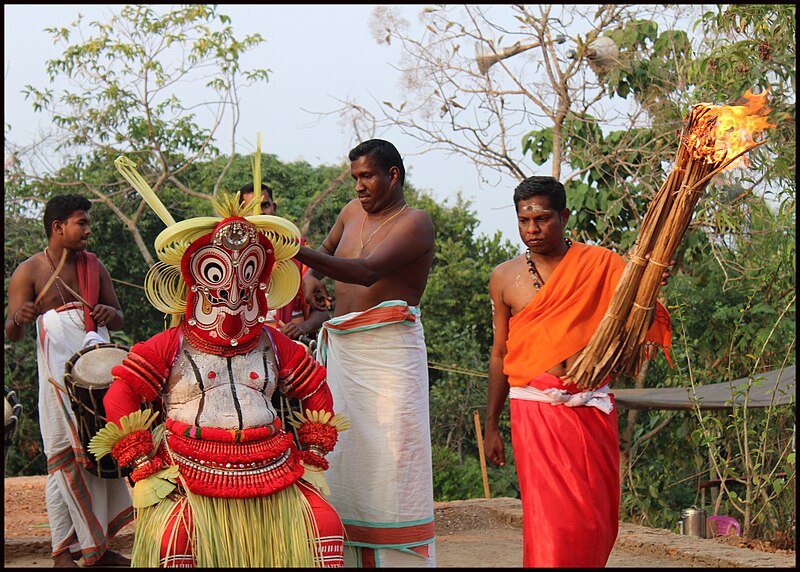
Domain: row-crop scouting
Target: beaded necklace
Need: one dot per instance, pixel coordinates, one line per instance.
(82, 323)
(538, 281)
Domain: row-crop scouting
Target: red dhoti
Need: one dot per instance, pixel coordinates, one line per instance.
(567, 461)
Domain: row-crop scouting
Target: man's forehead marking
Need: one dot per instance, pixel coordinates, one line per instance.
(534, 207)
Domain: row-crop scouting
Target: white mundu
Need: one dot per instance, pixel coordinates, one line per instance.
(380, 473)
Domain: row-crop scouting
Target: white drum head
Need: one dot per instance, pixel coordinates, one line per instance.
(93, 368)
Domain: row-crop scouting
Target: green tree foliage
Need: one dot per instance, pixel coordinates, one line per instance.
(120, 98)
(735, 272)
(458, 335)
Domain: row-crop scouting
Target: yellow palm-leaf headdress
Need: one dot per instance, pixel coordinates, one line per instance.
(164, 285)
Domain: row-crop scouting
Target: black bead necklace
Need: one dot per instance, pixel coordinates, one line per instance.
(538, 281)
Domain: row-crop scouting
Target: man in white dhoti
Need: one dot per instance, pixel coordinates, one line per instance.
(68, 294)
(379, 253)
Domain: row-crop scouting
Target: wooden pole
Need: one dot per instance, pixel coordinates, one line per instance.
(482, 454)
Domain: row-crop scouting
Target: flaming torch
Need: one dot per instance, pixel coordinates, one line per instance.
(714, 138)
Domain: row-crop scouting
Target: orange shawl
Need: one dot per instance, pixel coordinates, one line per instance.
(565, 313)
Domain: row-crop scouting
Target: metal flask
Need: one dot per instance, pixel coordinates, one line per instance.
(693, 522)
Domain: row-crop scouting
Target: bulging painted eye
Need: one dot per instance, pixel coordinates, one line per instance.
(251, 265)
(213, 272)
(211, 267)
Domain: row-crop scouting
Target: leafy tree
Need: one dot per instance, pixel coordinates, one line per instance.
(494, 84)
(753, 46)
(121, 100)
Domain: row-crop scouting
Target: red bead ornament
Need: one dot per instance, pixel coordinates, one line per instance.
(310, 458)
(253, 375)
(129, 448)
(212, 374)
(324, 436)
(148, 468)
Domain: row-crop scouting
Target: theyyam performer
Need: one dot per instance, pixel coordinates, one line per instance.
(221, 483)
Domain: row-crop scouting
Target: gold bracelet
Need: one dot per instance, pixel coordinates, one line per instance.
(15, 319)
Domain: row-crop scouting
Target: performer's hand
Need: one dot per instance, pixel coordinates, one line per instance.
(103, 314)
(494, 448)
(666, 274)
(316, 293)
(292, 330)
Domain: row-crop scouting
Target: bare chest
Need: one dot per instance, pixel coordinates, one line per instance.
(55, 292)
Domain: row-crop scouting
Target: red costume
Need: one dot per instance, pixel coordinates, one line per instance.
(218, 484)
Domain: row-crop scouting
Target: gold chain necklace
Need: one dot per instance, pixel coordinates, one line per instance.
(364, 220)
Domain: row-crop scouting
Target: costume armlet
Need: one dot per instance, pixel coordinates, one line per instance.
(140, 375)
(318, 432)
(305, 379)
(133, 449)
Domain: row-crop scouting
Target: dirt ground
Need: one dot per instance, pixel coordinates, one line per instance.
(476, 533)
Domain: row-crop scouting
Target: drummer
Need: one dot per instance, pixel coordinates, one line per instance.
(67, 293)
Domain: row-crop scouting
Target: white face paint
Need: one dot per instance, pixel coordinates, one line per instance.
(534, 208)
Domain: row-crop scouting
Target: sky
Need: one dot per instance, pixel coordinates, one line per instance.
(317, 55)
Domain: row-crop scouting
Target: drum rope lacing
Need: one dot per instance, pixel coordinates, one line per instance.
(82, 323)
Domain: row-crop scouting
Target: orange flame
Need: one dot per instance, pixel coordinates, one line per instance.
(730, 129)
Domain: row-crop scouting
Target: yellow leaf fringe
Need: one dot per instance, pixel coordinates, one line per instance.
(274, 531)
(339, 421)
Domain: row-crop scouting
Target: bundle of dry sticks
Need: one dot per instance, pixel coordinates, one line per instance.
(714, 138)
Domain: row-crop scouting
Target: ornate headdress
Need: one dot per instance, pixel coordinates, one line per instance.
(221, 273)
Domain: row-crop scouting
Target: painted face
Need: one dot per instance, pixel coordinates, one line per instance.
(541, 227)
(227, 272)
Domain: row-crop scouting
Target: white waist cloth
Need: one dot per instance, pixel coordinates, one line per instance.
(380, 474)
(593, 398)
(83, 511)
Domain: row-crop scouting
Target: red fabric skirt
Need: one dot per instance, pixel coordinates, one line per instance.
(567, 461)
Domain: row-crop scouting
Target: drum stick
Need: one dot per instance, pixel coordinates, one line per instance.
(74, 293)
(58, 385)
(52, 277)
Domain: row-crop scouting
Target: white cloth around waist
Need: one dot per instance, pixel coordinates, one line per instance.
(598, 398)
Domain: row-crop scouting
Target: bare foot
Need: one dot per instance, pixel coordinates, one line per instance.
(65, 560)
(111, 558)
